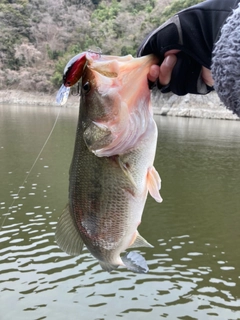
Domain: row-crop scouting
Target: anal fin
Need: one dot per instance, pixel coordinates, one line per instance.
(139, 241)
(67, 235)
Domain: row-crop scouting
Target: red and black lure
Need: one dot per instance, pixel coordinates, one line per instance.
(72, 74)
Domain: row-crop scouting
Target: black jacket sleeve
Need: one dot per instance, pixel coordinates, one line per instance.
(193, 31)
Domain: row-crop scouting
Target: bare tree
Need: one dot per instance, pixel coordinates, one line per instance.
(27, 53)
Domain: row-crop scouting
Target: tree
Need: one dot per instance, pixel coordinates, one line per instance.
(27, 54)
(15, 28)
(176, 6)
(38, 37)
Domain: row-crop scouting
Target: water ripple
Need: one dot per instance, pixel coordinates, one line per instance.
(194, 265)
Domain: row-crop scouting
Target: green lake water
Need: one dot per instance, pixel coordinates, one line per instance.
(195, 263)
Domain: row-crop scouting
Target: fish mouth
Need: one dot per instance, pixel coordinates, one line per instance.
(112, 66)
(107, 74)
(113, 80)
(109, 69)
(108, 66)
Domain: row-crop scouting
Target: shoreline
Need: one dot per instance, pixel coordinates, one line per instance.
(20, 97)
(206, 106)
(192, 106)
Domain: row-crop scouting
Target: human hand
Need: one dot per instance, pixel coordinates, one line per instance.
(163, 72)
(184, 45)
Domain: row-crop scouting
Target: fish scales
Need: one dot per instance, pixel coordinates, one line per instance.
(103, 199)
(112, 166)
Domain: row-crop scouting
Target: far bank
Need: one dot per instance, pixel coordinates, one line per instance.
(194, 106)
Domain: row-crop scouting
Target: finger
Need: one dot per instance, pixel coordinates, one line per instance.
(153, 73)
(170, 52)
(207, 77)
(166, 69)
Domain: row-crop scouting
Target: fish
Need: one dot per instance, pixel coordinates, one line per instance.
(112, 168)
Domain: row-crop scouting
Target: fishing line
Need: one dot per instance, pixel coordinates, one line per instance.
(33, 165)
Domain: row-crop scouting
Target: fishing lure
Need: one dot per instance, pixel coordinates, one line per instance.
(72, 74)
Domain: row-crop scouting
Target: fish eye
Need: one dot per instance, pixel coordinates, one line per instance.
(86, 87)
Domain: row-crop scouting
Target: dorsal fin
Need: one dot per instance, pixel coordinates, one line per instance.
(67, 235)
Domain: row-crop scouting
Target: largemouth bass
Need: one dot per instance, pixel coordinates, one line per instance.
(112, 167)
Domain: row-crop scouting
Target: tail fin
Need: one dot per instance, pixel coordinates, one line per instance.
(135, 262)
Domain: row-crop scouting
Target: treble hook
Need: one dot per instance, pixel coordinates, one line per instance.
(76, 92)
(97, 50)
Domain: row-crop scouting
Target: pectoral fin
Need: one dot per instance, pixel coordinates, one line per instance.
(126, 171)
(154, 184)
(139, 241)
(67, 235)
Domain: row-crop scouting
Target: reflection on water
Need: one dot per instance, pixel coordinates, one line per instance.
(194, 266)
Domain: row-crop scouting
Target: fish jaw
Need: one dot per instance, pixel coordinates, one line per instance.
(120, 106)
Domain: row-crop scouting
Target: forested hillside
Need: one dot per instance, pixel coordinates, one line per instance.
(38, 37)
